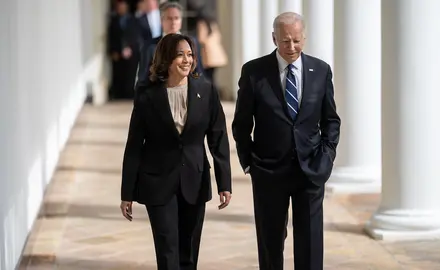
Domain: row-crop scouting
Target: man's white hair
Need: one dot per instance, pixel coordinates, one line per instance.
(288, 18)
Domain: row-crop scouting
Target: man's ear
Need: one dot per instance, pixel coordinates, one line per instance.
(274, 39)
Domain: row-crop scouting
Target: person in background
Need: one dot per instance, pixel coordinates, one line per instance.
(148, 16)
(212, 51)
(171, 20)
(165, 165)
(140, 9)
(123, 49)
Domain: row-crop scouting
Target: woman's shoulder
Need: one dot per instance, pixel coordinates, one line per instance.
(143, 90)
(202, 83)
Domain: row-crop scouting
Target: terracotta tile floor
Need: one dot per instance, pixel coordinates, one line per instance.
(80, 226)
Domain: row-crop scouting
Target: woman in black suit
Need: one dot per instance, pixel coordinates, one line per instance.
(165, 165)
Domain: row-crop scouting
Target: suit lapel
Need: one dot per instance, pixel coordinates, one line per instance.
(162, 105)
(192, 107)
(307, 79)
(275, 82)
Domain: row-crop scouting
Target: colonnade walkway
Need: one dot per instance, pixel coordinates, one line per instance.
(80, 226)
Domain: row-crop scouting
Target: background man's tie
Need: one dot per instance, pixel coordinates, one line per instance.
(291, 92)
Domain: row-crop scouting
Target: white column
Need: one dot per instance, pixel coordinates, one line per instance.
(319, 29)
(290, 6)
(250, 32)
(225, 76)
(245, 44)
(268, 12)
(358, 51)
(99, 10)
(410, 206)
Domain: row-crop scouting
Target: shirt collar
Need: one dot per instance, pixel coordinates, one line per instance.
(282, 64)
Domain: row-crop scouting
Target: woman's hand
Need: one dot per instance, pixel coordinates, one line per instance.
(225, 197)
(126, 210)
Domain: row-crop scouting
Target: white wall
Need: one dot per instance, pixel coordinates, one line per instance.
(43, 75)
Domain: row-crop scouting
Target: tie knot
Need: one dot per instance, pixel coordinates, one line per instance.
(291, 67)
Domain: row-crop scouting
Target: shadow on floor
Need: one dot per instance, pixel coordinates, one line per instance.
(346, 228)
(38, 262)
(217, 216)
(416, 252)
(360, 206)
(101, 125)
(89, 169)
(61, 209)
(96, 143)
(107, 212)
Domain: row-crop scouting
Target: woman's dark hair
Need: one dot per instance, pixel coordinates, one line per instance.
(166, 52)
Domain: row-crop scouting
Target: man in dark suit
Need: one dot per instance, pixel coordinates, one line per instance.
(287, 99)
(123, 49)
(148, 16)
(171, 19)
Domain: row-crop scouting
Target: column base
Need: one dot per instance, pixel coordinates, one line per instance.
(393, 225)
(100, 95)
(354, 180)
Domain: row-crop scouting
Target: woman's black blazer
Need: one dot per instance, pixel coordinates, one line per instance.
(158, 160)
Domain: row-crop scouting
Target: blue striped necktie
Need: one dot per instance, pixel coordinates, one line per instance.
(291, 92)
